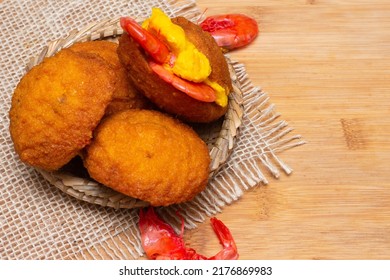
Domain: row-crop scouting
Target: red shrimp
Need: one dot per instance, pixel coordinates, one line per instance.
(161, 242)
(231, 31)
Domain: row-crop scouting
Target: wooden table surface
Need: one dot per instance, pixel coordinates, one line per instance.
(326, 66)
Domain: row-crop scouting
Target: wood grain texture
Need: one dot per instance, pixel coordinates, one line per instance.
(326, 66)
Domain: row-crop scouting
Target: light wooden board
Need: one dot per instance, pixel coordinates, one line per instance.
(326, 66)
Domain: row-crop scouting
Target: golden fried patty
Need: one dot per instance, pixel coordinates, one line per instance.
(164, 95)
(125, 95)
(56, 106)
(148, 155)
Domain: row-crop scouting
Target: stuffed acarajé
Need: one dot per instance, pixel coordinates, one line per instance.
(177, 65)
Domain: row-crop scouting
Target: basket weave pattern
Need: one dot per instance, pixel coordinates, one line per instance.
(219, 136)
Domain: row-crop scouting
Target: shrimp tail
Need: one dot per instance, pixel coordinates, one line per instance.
(229, 251)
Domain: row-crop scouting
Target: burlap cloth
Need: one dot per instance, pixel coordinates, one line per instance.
(37, 220)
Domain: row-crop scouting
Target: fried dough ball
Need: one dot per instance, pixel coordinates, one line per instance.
(125, 95)
(164, 95)
(56, 106)
(148, 155)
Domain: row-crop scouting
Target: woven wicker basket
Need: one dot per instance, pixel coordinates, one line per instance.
(220, 136)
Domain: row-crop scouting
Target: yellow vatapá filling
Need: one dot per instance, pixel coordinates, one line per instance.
(190, 64)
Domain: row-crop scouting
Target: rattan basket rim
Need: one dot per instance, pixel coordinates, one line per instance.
(93, 192)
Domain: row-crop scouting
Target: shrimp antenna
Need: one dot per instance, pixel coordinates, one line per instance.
(201, 16)
(182, 223)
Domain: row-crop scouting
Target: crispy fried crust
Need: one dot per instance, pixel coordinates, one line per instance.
(125, 95)
(150, 156)
(165, 96)
(56, 106)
